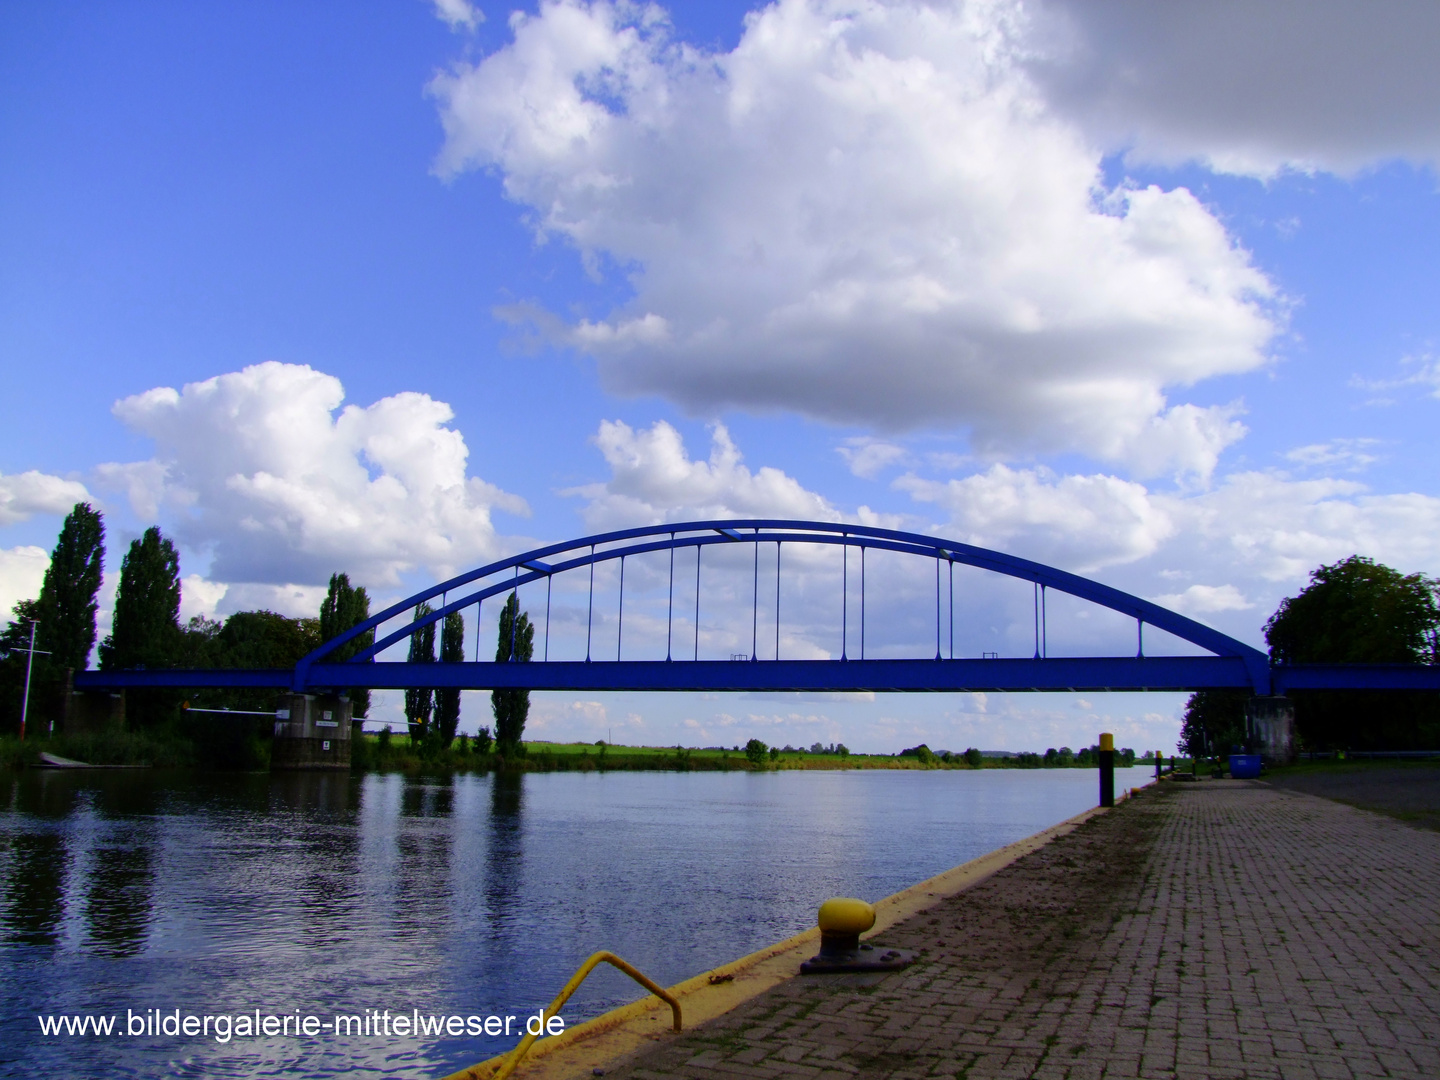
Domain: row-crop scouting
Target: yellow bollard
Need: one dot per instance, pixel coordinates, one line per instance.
(842, 920)
(1107, 769)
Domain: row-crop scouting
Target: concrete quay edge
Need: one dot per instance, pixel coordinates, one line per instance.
(614, 1035)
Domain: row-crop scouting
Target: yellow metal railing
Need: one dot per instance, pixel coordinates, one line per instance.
(570, 987)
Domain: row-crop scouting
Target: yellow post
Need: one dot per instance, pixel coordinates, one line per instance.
(1107, 769)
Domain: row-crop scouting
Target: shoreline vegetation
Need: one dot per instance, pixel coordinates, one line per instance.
(220, 747)
(198, 748)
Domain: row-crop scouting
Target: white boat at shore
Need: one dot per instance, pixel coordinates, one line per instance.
(55, 761)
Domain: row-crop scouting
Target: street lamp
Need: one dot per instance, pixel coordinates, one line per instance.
(29, 662)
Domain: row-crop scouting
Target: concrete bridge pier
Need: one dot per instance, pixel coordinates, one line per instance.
(1271, 724)
(85, 711)
(312, 731)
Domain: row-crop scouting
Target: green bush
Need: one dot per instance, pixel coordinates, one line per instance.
(230, 742)
(921, 753)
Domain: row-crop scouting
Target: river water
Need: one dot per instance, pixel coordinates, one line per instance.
(123, 893)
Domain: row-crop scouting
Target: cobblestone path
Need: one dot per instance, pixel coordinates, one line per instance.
(1221, 929)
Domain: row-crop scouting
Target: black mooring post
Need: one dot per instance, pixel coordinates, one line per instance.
(1107, 769)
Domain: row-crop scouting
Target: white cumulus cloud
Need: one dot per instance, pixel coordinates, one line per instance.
(654, 479)
(23, 495)
(868, 457)
(1352, 455)
(1205, 599)
(1278, 529)
(1233, 550)
(459, 14)
(22, 569)
(201, 598)
(283, 490)
(1080, 523)
(867, 213)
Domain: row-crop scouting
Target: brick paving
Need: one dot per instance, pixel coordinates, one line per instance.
(1221, 929)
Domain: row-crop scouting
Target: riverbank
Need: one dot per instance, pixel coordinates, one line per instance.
(1220, 929)
(157, 749)
(237, 745)
(542, 756)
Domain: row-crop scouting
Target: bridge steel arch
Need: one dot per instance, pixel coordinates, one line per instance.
(1239, 665)
(1232, 664)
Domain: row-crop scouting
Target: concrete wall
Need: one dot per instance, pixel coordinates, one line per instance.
(1271, 721)
(311, 732)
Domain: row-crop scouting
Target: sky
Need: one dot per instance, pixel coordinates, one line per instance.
(1145, 292)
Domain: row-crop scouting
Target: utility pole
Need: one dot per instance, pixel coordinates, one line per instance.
(29, 662)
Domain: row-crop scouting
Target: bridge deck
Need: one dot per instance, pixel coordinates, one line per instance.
(1088, 674)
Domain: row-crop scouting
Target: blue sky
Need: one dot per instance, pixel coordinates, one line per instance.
(934, 265)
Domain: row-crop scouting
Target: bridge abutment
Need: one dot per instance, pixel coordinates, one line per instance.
(312, 731)
(1271, 723)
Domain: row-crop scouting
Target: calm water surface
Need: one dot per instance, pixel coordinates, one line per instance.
(458, 895)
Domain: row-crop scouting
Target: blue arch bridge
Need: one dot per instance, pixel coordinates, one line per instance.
(1224, 664)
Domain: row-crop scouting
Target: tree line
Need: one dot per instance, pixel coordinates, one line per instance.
(146, 632)
(1355, 611)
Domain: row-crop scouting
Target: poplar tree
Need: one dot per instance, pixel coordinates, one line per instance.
(419, 704)
(345, 606)
(145, 631)
(516, 642)
(66, 606)
(447, 699)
